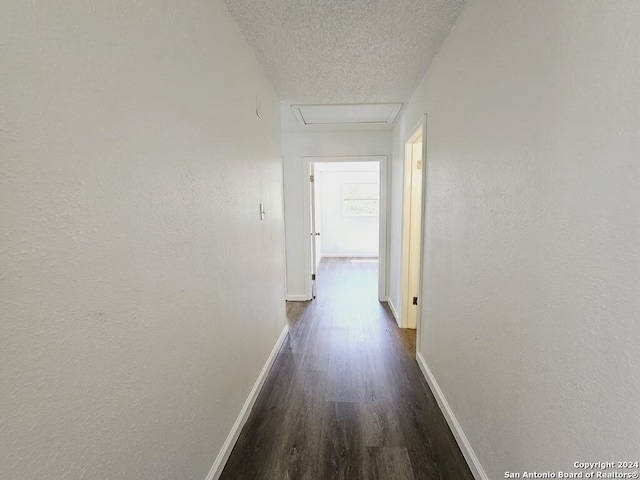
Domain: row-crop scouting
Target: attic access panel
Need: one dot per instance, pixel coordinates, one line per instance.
(363, 113)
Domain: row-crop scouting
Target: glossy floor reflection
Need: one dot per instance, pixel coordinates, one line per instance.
(345, 398)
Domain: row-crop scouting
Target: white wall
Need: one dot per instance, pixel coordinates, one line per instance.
(532, 265)
(296, 146)
(346, 236)
(131, 167)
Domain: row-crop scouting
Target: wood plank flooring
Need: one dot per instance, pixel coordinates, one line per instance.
(345, 398)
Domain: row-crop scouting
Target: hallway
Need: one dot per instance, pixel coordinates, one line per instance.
(345, 398)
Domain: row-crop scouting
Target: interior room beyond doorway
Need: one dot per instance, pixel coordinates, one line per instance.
(347, 213)
(345, 205)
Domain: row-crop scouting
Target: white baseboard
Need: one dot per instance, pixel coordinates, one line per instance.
(297, 298)
(393, 311)
(461, 438)
(229, 443)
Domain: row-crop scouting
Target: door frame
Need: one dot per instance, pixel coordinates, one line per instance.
(382, 223)
(410, 139)
(313, 227)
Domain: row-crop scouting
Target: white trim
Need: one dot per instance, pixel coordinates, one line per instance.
(298, 114)
(229, 443)
(394, 311)
(420, 128)
(423, 233)
(461, 438)
(297, 298)
(383, 223)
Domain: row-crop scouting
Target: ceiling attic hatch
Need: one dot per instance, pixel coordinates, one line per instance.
(347, 114)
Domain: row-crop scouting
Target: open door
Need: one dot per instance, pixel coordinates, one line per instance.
(315, 250)
(412, 228)
(317, 213)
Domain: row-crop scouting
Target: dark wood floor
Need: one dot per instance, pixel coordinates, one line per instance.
(345, 398)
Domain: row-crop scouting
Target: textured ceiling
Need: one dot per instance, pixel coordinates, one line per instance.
(345, 51)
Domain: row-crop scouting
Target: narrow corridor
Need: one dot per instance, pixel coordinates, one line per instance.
(345, 398)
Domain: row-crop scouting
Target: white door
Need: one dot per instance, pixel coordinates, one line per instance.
(412, 230)
(317, 213)
(312, 233)
(415, 231)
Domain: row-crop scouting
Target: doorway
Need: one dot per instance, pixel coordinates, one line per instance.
(412, 225)
(356, 202)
